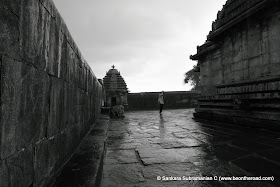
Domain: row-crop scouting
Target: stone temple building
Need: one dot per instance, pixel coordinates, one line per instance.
(115, 88)
(240, 65)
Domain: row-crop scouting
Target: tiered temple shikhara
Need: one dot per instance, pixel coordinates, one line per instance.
(116, 89)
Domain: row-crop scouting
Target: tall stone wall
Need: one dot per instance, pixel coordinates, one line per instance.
(248, 52)
(50, 97)
(173, 100)
(240, 71)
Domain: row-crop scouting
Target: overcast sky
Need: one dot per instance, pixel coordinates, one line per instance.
(148, 41)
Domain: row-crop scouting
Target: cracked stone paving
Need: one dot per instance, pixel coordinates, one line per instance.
(146, 149)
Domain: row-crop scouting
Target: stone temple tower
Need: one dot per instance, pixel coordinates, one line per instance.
(115, 88)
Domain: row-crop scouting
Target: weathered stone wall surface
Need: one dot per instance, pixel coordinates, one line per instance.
(248, 52)
(50, 97)
(173, 100)
(242, 71)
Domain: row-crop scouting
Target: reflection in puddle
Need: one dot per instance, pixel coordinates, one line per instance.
(161, 127)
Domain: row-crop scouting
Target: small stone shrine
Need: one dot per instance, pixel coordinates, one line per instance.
(116, 91)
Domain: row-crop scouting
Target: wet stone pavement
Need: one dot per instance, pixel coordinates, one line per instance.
(148, 149)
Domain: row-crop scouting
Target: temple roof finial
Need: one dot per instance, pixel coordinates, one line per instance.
(113, 66)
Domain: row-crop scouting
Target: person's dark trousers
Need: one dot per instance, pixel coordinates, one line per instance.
(160, 108)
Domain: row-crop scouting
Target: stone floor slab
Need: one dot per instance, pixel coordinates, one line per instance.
(259, 166)
(123, 175)
(174, 145)
(121, 157)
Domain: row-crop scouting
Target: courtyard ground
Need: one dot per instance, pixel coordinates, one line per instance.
(172, 149)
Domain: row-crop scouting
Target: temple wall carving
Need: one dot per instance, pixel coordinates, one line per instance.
(241, 65)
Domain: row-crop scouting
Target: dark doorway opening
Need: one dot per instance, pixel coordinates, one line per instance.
(114, 101)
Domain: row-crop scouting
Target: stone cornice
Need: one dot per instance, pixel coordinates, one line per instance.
(233, 12)
(240, 11)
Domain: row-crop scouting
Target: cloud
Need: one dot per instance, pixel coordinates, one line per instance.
(149, 41)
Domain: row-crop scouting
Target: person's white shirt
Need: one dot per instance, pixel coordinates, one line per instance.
(160, 98)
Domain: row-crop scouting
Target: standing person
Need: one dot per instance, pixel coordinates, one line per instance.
(160, 101)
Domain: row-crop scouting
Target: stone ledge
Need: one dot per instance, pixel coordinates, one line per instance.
(85, 166)
(267, 120)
